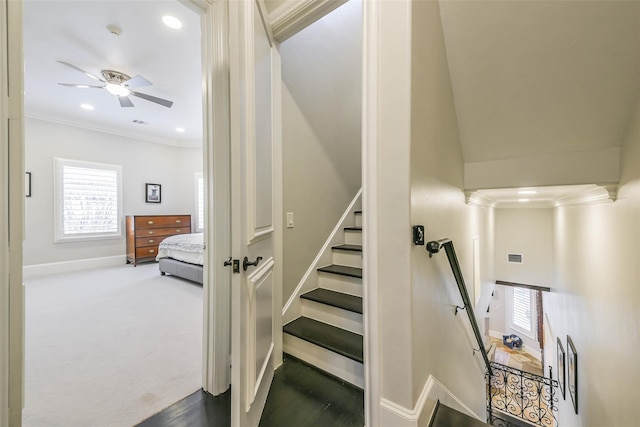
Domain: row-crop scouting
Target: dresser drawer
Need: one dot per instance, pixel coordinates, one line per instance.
(162, 231)
(149, 241)
(162, 221)
(149, 251)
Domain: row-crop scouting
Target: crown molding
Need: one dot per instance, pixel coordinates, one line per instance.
(191, 144)
(598, 193)
(294, 16)
(474, 198)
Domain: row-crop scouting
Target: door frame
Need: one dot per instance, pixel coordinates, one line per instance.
(11, 207)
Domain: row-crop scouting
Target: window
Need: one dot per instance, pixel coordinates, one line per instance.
(522, 313)
(88, 202)
(199, 181)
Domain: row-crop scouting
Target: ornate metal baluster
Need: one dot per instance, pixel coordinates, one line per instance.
(521, 395)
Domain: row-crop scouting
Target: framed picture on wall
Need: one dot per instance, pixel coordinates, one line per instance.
(153, 193)
(572, 372)
(561, 368)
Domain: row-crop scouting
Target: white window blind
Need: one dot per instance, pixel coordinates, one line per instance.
(89, 202)
(522, 308)
(199, 202)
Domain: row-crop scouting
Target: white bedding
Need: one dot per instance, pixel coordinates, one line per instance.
(183, 247)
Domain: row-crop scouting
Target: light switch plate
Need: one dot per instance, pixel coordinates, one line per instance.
(289, 219)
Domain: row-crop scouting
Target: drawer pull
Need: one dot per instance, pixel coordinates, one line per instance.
(150, 222)
(151, 240)
(151, 232)
(151, 251)
(177, 231)
(178, 221)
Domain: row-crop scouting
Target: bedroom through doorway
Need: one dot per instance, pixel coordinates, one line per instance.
(110, 342)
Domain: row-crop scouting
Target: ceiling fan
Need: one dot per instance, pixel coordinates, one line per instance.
(119, 85)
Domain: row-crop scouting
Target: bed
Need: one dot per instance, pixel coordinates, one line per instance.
(182, 255)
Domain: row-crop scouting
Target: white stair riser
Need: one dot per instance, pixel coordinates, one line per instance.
(338, 365)
(358, 218)
(353, 237)
(345, 284)
(348, 258)
(338, 317)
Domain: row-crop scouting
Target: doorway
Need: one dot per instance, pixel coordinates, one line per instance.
(98, 37)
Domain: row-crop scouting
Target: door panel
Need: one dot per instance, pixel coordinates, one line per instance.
(253, 305)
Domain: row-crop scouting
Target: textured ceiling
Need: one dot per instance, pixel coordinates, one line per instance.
(76, 32)
(542, 77)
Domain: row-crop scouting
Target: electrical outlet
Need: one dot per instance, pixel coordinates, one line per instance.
(289, 219)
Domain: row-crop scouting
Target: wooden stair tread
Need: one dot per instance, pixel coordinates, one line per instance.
(342, 270)
(448, 417)
(334, 339)
(335, 299)
(347, 247)
(353, 228)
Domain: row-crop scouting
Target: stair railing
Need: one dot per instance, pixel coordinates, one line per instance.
(434, 247)
(521, 395)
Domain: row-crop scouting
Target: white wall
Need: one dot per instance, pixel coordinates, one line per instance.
(528, 232)
(321, 109)
(442, 342)
(596, 298)
(142, 162)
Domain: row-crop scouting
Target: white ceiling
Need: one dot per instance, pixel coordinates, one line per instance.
(542, 77)
(76, 32)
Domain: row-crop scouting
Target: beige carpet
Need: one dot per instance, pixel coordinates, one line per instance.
(109, 347)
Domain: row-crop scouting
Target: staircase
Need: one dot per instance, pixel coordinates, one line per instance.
(329, 332)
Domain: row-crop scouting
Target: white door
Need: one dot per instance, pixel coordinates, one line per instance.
(253, 307)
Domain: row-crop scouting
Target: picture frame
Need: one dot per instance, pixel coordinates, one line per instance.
(27, 184)
(572, 372)
(561, 367)
(153, 193)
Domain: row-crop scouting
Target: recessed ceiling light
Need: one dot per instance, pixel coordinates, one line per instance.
(180, 130)
(172, 22)
(527, 192)
(86, 106)
(523, 200)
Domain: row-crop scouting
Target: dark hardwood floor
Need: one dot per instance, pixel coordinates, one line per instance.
(300, 396)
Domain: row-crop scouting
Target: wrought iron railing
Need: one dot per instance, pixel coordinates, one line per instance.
(521, 395)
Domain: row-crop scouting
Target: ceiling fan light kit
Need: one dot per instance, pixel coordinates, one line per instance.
(119, 85)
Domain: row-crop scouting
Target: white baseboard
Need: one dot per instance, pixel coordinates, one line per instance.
(392, 414)
(36, 270)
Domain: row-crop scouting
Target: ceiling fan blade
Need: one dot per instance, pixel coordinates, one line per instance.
(155, 99)
(125, 101)
(81, 86)
(137, 81)
(82, 71)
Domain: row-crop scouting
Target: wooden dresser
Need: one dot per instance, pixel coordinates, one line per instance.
(145, 232)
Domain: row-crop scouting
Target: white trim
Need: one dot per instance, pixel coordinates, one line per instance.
(278, 186)
(155, 140)
(294, 16)
(12, 211)
(433, 391)
(216, 347)
(36, 270)
(292, 308)
(370, 115)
